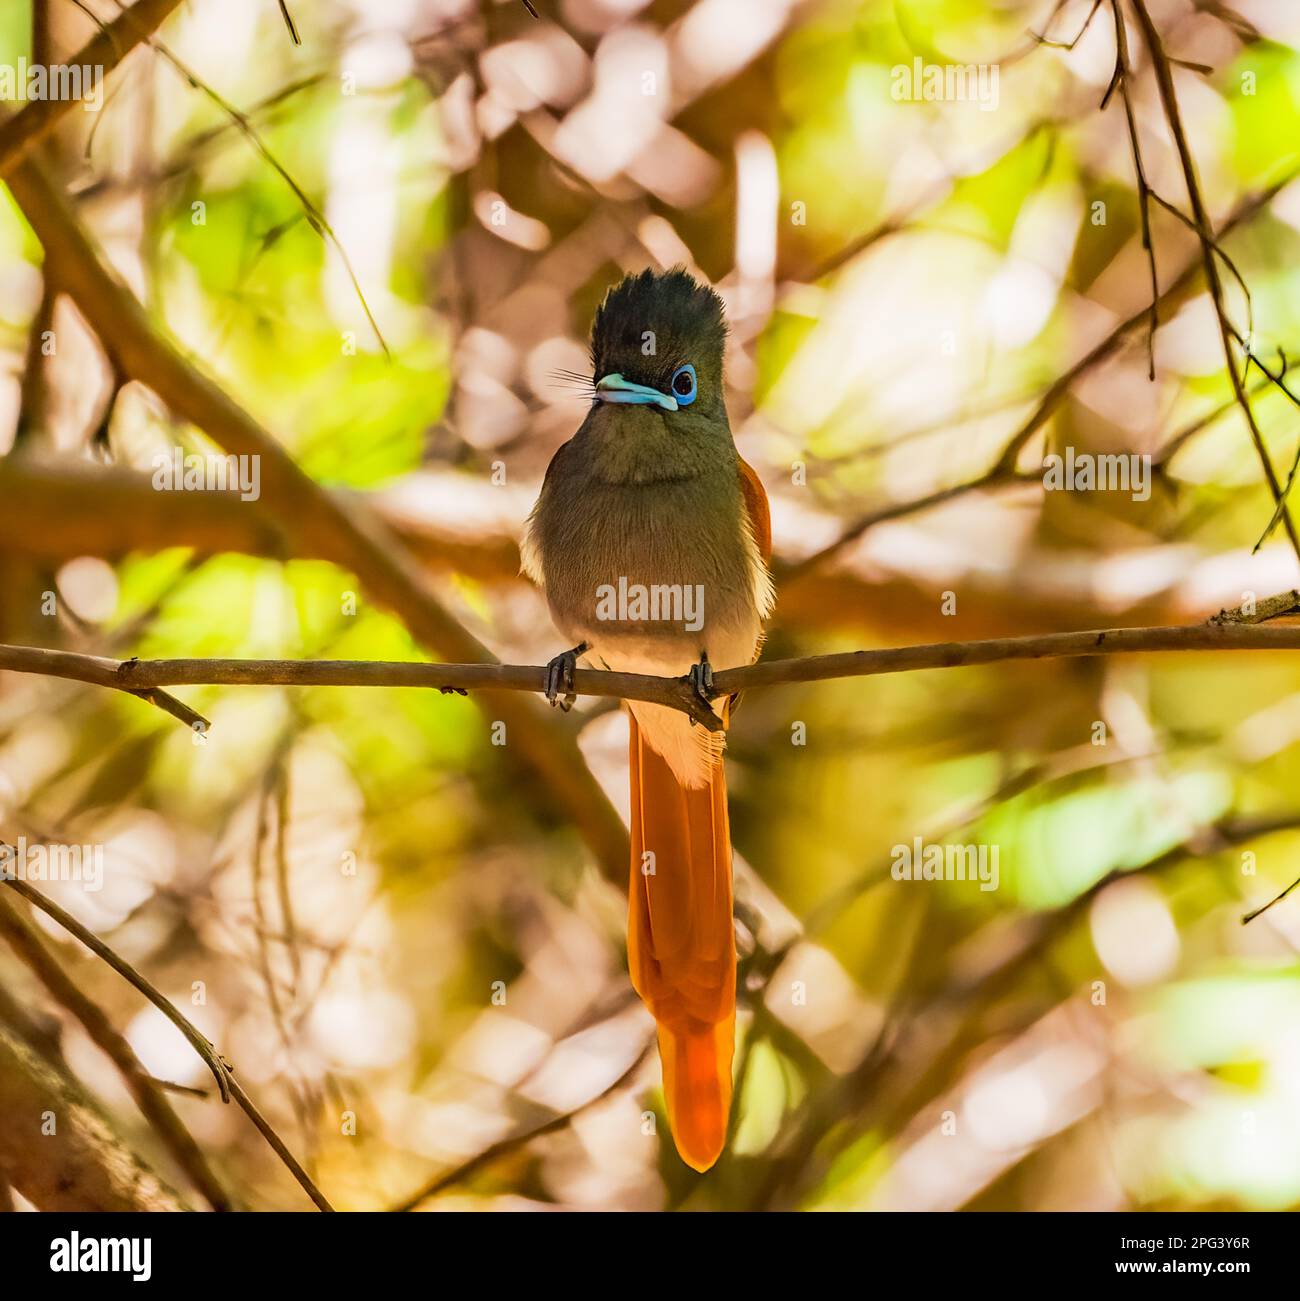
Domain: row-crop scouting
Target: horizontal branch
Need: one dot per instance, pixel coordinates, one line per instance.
(58, 510)
(1225, 632)
(292, 501)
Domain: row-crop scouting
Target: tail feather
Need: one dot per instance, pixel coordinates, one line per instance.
(682, 945)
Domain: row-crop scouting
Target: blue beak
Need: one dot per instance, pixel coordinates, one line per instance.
(614, 388)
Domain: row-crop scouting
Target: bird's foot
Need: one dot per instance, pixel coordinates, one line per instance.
(559, 675)
(701, 679)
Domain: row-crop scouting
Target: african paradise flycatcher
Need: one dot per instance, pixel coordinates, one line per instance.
(651, 539)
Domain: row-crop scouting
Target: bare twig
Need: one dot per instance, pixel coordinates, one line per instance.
(1044, 39)
(214, 1061)
(20, 133)
(288, 22)
(1003, 472)
(146, 1091)
(512, 1142)
(316, 219)
(1173, 115)
(226, 1082)
(1123, 70)
(1222, 633)
(292, 501)
(1255, 912)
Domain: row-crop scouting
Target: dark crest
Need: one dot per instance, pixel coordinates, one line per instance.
(669, 312)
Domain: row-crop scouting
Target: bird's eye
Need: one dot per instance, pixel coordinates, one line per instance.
(683, 385)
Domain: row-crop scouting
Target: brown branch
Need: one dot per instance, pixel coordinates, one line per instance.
(512, 1142)
(560, 778)
(58, 509)
(1123, 72)
(20, 133)
(1227, 631)
(22, 938)
(289, 23)
(945, 1023)
(1263, 908)
(82, 1165)
(1004, 472)
(1208, 243)
(55, 511)
(226, 1082)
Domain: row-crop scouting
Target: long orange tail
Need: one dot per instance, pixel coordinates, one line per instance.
(681, 944)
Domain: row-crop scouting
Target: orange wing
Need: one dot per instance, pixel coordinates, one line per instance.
(760, 516)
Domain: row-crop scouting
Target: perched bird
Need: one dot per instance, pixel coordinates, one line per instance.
(651, 539)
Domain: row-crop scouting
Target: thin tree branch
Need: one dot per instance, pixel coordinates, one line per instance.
(226, 1082)
(83, 1165)
(1004, 472)
(288, 22)
(148, 1094)
(1277, 898)
(316, 219)
(390, 575)
(1054, 44)
(1227, 631)
(512, 1142)
(1123, 70)
(1173, 114)
(20, 133)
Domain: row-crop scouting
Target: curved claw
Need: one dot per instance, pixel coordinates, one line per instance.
(559, 674)
(701, 678)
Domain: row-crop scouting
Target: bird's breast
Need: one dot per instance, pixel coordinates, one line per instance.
(662, 561)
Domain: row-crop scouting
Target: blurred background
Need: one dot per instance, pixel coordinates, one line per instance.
(383, 243)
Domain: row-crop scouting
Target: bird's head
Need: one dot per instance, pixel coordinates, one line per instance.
(657, 342)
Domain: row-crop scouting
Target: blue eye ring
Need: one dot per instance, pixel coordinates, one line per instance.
(684, 393)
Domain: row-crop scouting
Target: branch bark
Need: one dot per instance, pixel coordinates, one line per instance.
(20, 133)
(57, 510)
(153, 1105)
(1227, 631)
(78, 1165)
(1003, 473)
(226, 1082)
(389, 573)
(1208, 247)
